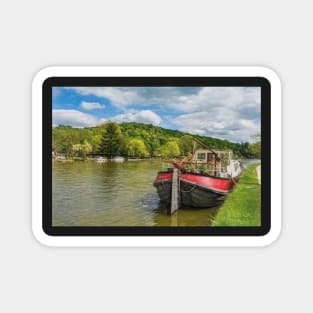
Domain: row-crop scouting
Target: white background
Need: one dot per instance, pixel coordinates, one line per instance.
(36, 34)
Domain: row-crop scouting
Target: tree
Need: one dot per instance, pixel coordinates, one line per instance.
(77, 148)
(82, 149)
(136, 147)
(86, 148)
(111, 139)
(96, 143)
(63, 139)
(185, 145)
(255, 147)
(170, 149)
(153, 145)
(244, 149)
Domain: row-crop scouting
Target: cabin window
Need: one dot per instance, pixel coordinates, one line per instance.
(211, 157)
(201, 156)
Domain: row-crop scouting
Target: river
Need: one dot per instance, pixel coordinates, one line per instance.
(87, 193)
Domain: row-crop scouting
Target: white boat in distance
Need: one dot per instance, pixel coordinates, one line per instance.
(101, 159)
(118, 159)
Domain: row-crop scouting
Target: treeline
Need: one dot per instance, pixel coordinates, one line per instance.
(135, 140)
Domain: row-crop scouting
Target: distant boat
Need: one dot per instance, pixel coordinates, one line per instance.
(118, 159)
(101, 159)
(205, 178)
(61, 157)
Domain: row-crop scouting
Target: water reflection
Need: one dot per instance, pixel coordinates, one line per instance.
(114, 194)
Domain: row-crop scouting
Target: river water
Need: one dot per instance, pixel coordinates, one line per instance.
(86, 193)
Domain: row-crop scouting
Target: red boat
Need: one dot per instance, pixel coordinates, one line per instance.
(204, 179)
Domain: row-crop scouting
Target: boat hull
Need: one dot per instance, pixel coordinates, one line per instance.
(163, 184)
(196, 191)
(197, 197)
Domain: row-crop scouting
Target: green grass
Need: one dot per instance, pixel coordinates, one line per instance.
(242, 206)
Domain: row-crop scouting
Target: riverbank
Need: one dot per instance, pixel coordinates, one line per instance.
(243, 205)
(258, 173)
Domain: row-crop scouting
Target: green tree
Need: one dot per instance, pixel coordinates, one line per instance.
(185, 145)
(255, 147)
(111, 139)
(244, 149)
(86, 148)
(96, 141)
(170, 149)
(136, 147)
(82, 149)
(76, 148)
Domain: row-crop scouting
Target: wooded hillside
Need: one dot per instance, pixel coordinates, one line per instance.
(135, 140)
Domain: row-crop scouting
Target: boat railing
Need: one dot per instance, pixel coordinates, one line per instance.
(196, 167)
(167, 165)
(202, 168)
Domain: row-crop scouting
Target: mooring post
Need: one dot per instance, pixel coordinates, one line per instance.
(175, 203)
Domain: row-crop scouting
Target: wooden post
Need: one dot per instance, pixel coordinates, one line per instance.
(175, 192)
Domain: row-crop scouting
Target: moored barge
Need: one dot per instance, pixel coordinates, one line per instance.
(204, 180)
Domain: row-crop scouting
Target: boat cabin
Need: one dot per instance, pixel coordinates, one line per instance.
(213, 162)
(212, 156)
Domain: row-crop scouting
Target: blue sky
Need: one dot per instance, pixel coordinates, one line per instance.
(231, 113)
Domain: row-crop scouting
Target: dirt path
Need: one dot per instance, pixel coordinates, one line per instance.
(258, 173)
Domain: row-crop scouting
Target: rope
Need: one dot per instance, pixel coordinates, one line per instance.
(192, 188)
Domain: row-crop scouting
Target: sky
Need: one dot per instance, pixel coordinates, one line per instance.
(231, 113)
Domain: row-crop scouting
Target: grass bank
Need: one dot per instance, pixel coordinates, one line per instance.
(242, 206)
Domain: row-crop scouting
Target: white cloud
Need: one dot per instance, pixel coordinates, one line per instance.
(183, 99)
(120, 97)
(228, 127)
(144, 116)
(231, 113)
(211, 99)
(91, 105)
(80, 119)
(73, 118)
